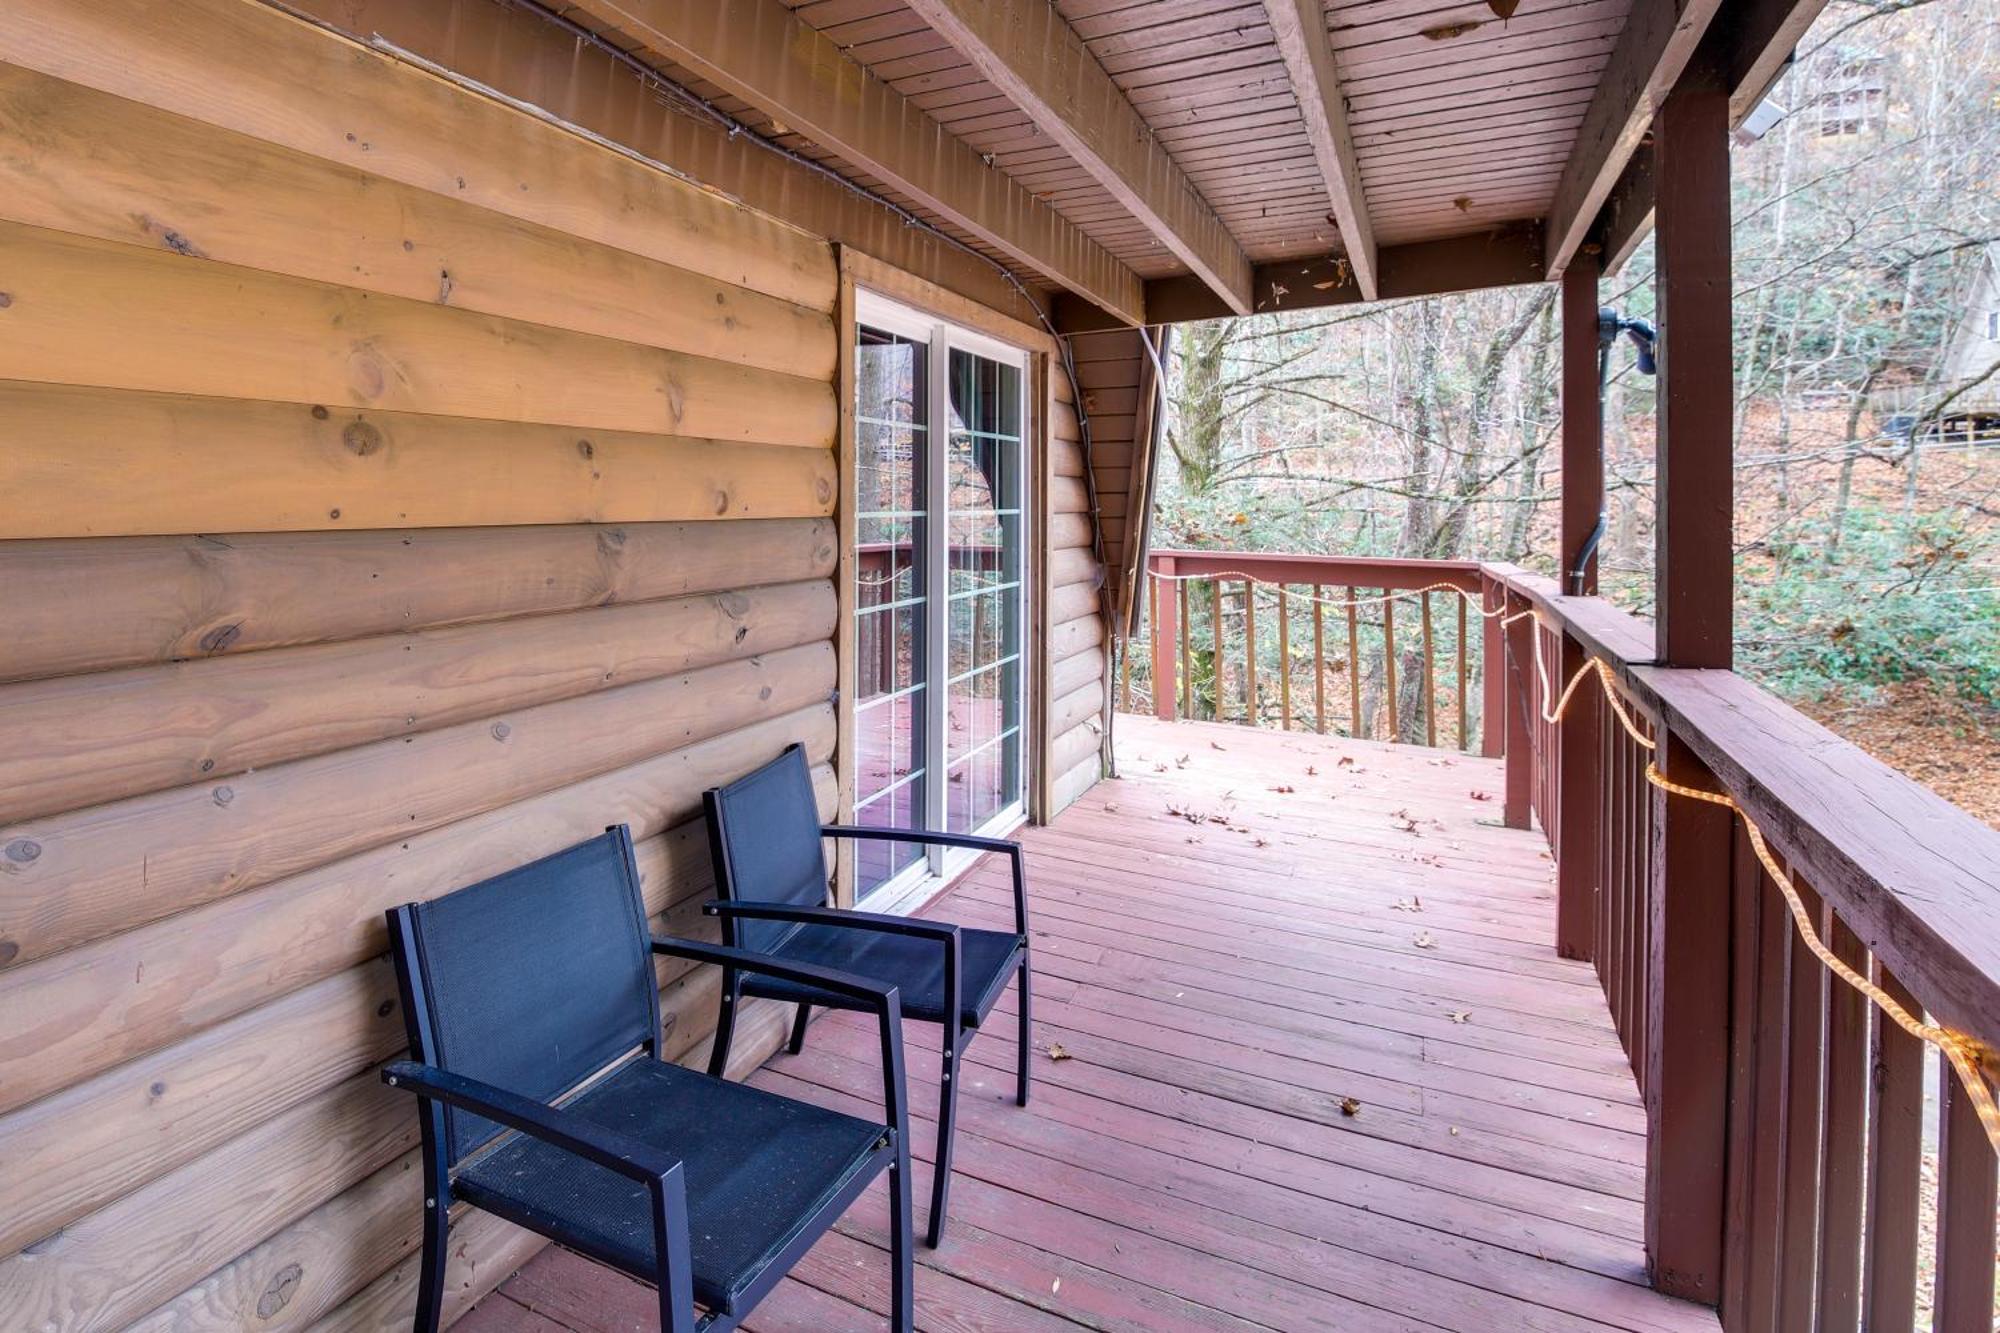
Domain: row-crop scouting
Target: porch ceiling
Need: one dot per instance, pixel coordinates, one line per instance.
(1178, 139)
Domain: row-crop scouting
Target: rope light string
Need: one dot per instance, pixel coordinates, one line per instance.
(1966, 1054)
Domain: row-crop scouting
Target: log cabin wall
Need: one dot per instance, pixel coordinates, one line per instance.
(1078, 651)
(399, 487)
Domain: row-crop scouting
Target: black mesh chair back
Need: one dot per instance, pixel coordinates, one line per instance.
(764, 836)
(534, 980)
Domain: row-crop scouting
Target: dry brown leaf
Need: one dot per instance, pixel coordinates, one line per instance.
(1262, 842)
(1413, 905)
(1461, 1016)
(1056, 1052)
(1311, 771)
(1284, 790)
(1213, 746)
(1481, 795)
(1350, 1106)
(1345, 761)
(1424, 940)
(1182, 762)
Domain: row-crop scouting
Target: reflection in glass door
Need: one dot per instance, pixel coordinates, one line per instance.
(939, 578)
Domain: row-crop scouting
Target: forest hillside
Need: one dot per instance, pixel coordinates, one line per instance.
(1867, 259)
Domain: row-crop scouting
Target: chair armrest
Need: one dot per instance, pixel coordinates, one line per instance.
(860, 834)
(1011, 848)
(629, 1157)
(879, 922)
(874, 994)
(887, 1005)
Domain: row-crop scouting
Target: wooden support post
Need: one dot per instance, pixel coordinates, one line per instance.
(1522, 693)
(1215, 623)
(1694, 565)
(1492, 677)
(1582, 423)
(1166, 639)
(1686, 1047)
(1687, 1031)
(1579, 823)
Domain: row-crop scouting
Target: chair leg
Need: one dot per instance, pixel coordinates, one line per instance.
(1027, 1040)
(798, 1042)
(947, 1114)
(902, 1262)
(725, 1026)
(430, 1280)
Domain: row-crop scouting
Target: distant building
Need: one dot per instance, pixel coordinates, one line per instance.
(1964, 371)
(1851, 94)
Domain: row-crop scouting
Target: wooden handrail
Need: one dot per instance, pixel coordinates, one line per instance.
(1257, 581)
(1786, 1114)
(1916, 877)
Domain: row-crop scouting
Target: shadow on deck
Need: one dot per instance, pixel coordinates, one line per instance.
(1246, 930)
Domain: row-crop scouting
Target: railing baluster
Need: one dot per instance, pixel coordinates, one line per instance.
(1250, 651)
(1895, 1165)
(1966, 1189)
(1798, 1222)
(1284, 659)
(1215, 624)
(1430, 678)
(1185, 635)
(1844, 1097)
(1319, 658)
(1389, 664)
(1354, 728)
(1771, 1063)
(1464, 706)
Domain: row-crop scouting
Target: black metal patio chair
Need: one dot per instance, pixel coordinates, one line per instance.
(534, 1016)
(770, 870)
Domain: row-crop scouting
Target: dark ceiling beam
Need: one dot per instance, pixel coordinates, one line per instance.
(1503, 257)
(1753, 43)
(1028, 50)
(758, 51)
(1300, 29)
(1659, 38)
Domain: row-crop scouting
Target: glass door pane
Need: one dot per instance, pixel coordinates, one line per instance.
(892, 597)
(983, 518)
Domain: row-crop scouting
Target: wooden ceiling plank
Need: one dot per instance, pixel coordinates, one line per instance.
(757, 50)
(1299, 27)
(1028, 50)
(1658, 41)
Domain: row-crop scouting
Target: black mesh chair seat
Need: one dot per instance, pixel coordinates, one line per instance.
(757, 1166)
(914, 966)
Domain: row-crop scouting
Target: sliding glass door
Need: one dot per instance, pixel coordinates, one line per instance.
(939, 568)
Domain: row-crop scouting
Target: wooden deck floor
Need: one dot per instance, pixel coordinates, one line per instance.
(1243, 932)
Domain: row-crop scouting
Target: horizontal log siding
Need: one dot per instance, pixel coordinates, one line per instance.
(1076, 640)
(520, 453)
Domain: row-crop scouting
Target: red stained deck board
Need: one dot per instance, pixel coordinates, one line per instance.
(1190, 1166)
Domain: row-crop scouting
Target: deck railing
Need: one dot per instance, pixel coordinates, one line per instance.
(1787, 1115)
(1699, 828)
(1318, 643)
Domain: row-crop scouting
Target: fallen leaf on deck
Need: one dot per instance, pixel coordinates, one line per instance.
(1350, 1106)
(1181, 762)
(1284, 790)
(1056, 1052)
(1461, 1016)
(1311, 771)
(1481, 795)
(1345, 761)
(1213, 746)
(1414, 905)
(1111, 807)
(1424, 940)
(1055, 1286)
(1263, 843)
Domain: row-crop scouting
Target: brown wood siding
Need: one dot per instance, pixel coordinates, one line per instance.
(405, 488)
(1077, 643)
